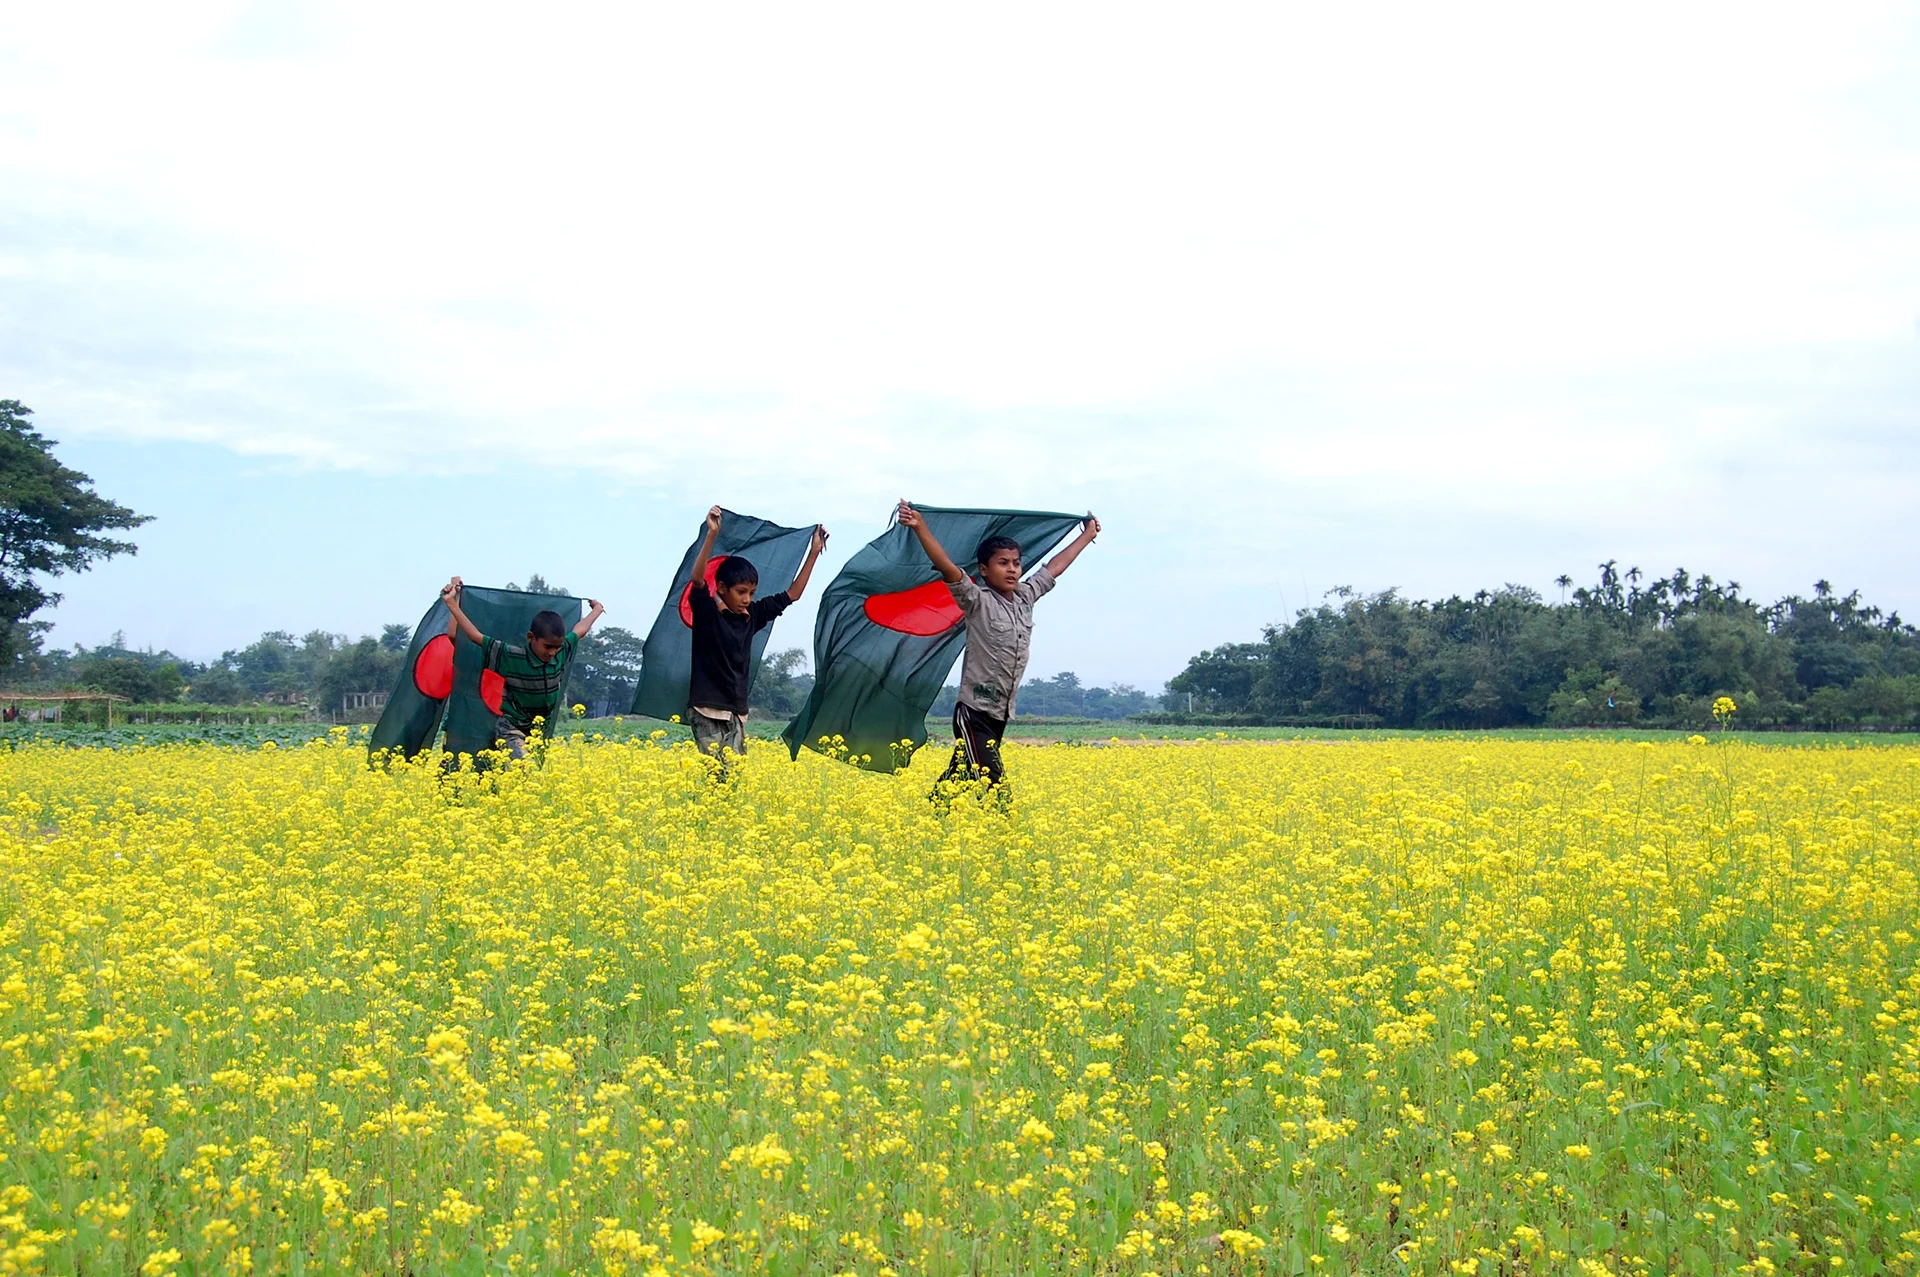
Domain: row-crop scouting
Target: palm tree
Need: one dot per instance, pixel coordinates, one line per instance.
(1563, 581)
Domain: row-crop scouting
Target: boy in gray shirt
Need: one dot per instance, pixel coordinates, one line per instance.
(999, 613)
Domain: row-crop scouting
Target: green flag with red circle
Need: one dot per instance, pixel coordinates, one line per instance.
(441, 684)
(666, 663)
(888, 632)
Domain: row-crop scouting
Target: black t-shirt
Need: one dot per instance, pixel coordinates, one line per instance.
(723, 647)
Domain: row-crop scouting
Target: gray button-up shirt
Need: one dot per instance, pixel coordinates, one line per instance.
(999, 639)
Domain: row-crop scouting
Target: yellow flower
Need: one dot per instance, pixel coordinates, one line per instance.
(1034, 1131)
(255, 989)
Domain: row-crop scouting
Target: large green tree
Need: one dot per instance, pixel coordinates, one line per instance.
(141, 681)
(605, 668)
(781, 684)
(51, 522)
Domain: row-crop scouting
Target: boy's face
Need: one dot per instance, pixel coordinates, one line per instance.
(544, 649)
(738, 597)
(1001, 571)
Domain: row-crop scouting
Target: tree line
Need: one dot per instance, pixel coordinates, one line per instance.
(1063, 696)
(317, 669)
(1626, 650)
(320, 669)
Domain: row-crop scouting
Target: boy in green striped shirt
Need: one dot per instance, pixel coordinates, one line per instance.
(534, 674)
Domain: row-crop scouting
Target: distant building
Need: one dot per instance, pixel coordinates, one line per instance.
(362, 701)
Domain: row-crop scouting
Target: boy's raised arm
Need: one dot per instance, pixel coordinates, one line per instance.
(450, 595)
(942, 562)
(1089, 529)
(699, 575)
(585, 623)
(805, 573)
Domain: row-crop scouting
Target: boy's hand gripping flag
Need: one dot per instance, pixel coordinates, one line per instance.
(888, 632)
(442, 679)
(666, 663)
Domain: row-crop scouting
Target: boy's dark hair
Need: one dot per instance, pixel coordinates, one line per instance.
(547, 625)
(734, 570)
(992, 546)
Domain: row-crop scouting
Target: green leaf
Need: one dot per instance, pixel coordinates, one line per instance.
(472, 1264)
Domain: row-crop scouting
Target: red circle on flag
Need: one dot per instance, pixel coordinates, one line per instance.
(433, 668)
(492, 688)
(925, 609)
(713, 588)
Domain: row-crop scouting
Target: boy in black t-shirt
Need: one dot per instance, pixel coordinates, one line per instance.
(723, 630)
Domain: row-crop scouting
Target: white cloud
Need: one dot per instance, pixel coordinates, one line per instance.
(1568, 266)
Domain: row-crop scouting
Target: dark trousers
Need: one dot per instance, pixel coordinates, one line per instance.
(976, 746)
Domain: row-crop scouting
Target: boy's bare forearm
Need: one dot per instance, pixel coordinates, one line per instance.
(805, 573)
(937, 554)
(582, 626)
(467, 627)
(450, 595)
(1062, 561)
(699, 574)
(801, 577)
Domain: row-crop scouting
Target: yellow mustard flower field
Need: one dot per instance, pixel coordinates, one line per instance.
(1427, 1005)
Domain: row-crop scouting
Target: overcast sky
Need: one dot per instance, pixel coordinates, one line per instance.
(1438, 297)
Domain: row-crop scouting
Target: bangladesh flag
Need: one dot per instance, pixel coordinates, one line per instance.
(412, 714)
(666, 663)
(889, 630)
(442, 681)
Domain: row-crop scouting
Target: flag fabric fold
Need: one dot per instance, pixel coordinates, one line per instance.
(419, 698)
(888, 631)
(442, 685)
(666, 663)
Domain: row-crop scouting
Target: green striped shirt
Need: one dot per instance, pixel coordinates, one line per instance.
(533, 686)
